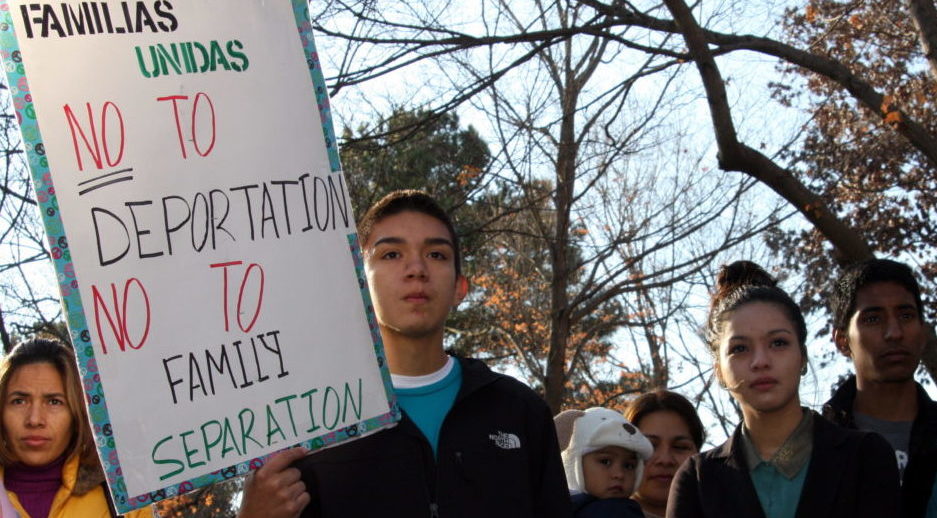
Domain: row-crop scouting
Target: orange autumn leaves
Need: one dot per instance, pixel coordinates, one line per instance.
(890, 111)
(516, 299)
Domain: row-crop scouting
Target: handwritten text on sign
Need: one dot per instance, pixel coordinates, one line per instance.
(206, 227)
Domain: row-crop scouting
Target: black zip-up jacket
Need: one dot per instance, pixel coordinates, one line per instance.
(921, 470)
(588, 506)
(497, 457)
(851, 474)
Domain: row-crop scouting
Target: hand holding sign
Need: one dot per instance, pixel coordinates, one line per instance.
(275, 490)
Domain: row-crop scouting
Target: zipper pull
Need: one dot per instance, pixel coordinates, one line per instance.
(434, 510)
(459, 465)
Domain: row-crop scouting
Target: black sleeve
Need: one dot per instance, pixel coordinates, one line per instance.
(308, 476)
(551, 493)
(610, 507)
(684, 499)
(878, 494)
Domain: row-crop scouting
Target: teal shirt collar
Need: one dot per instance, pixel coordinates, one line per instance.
(791, 456)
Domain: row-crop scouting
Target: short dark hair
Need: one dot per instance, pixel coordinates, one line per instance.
(743, 282)
(62, 358)
(665, 400)
(409, 200)
(860, 275)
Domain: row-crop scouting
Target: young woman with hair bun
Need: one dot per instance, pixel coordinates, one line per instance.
(783, 461)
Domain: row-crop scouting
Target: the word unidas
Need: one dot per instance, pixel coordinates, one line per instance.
(191, 57)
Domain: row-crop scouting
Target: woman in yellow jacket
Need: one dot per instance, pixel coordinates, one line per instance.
(49, 464)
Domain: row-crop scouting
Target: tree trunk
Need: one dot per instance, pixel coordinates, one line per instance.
(924, 15)
(849, 244)
(555, 385)
(561, 324)
(647, 307)
(5, 336)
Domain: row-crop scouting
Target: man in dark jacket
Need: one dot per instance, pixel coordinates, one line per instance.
(878, 323)
(471, 443)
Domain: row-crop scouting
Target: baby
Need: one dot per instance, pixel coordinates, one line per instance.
(603, 455)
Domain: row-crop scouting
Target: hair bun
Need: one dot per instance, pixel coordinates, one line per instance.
(742, 273)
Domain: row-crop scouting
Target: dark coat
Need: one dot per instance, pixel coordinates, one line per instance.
(588, 506)
(921, 470)
(497, 457)
(851, 475)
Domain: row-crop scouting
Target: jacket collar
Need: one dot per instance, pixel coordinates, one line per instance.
(731, 451)
(734, 455)
(790, 458)
(87, 474)
(839, 408)
(926, 407)
(79, 477)
(744, 501)
(475, 375)
(925, 425)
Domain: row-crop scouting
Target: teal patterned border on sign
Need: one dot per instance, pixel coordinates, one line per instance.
(372, 324)
(58, 247)
(68, 283)
(301, 10)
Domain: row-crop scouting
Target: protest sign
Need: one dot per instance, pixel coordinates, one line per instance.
(185, 165)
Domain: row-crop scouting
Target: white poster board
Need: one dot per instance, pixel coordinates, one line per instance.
(185, 165)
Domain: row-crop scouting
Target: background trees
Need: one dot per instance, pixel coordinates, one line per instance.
(416, 150)
(29, 302)
(853, 155)
(867, 201)
(586, 219)
(595, 189)
(865, 65)
(589, 196)
(208, 502)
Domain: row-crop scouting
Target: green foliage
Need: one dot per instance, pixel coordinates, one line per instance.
(414, 150)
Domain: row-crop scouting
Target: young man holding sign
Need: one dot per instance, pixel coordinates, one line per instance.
(471, 442)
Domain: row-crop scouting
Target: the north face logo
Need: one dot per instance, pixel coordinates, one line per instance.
(506, 441)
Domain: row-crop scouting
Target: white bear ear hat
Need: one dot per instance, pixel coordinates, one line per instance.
(592, 430)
